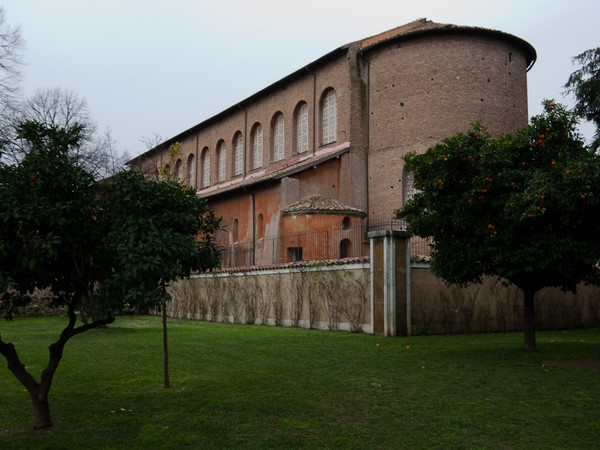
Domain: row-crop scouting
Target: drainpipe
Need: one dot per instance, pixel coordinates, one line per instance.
(253, 215)
(314, 121)
(367, 131)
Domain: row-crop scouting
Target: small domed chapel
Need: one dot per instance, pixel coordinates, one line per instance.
(303, 168)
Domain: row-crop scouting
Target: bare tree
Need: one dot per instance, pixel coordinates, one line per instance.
(62, 108)
(11, 54)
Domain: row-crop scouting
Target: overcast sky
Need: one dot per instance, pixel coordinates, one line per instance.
(159, 67)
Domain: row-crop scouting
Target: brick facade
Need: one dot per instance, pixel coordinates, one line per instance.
(403, 90)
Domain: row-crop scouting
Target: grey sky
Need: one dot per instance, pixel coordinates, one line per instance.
(150, 67)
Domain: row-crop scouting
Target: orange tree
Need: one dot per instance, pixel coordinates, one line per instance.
(524, 207)
(98, 247)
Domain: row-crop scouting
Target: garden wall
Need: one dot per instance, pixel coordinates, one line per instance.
(325, 297)
(337, 297)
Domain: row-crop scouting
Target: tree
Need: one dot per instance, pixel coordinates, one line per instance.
(152, 234)
(584, 84)
(104, 246)
(62, 108)
(524, 208)
(11, 54)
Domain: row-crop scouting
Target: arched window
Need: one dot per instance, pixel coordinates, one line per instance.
(191, 170)
(238, 154)
(222, 160)
(301, 128)
(277, 138)
(328, 117)
(257, 146)
(346, 223)
(205, 167)
(179, 171)
(345, 248)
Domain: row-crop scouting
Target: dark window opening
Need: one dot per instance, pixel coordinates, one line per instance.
(294, 254)
(346, 223)
(345, 248)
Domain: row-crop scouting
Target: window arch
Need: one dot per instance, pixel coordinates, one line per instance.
(346, 223)
(179, 171)
(238, 154)
(222, 161)
(301, 128)
(257, 146)
(191, 170)
(277, 138)
(345, 248)
(328, 117)
(205, 158)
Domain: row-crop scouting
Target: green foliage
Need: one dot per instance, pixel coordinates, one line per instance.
(46, 220)
(97, 247)
(584, 84)
(151, 231)
(524, 208)
(174, 151)
(110, 245)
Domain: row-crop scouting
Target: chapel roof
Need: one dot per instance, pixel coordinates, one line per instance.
(316, 204)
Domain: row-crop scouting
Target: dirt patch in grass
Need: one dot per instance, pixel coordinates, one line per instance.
(574, 364)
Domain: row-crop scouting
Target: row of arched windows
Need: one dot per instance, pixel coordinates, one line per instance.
(300, 144)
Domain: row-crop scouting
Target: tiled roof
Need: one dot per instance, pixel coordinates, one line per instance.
(316, 204)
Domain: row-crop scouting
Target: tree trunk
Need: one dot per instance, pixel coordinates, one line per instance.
(41, 411)
(165, 346)
(529, 319)
(39, 391)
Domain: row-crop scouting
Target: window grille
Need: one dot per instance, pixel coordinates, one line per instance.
(278, 138)
(239, 155)
(329, 117)
(191, 169)
(257, 147)
(222, 157)
(302, 129)
(205, 168)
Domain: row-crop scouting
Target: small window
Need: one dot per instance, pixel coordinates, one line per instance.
(345, 248)
(346, 223)
(191, 171)
(257, 147)
(329, 117)
(205, 167)
(294, 254)
(301, 128)
(222, 159)
(278, 138)
(238, 154)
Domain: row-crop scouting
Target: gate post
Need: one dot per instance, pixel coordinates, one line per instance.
(390, 282)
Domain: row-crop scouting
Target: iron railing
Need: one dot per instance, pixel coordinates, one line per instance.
(317, 245)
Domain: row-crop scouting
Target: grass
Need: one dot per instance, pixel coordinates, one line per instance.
(241, 386)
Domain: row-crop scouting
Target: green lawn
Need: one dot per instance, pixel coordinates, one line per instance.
(242, 386)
